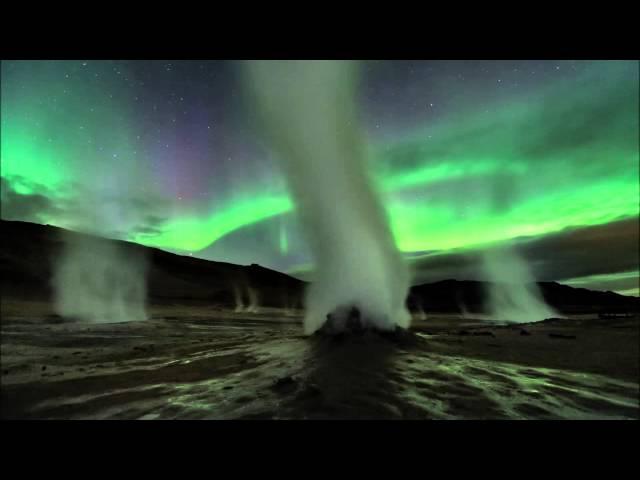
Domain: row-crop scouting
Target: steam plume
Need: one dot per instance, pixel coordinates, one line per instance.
(98, 281)
(253, 300)
(310, 118)
(237, 294)
(95, 279)
(513, 293)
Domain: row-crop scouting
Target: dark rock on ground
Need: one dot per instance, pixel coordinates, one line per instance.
(560, 335)
(285, 384)
(552, 320)
(354, 327)
(353, 324)
(310, 391)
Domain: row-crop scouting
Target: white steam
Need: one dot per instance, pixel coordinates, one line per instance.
(254, 306)
(420, 314)
(309, 113)
(513, 293)
(98, 281)
(237, 295)
(248, 292)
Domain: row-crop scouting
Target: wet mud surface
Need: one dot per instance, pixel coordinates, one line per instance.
(198, 363)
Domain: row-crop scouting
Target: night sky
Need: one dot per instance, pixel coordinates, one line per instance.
(466, 155)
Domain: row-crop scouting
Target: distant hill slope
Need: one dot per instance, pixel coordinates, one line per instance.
(28, 250)
(459, 296)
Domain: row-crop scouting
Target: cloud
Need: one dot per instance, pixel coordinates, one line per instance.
(625, 283)
(116, 216)
(35, 206)
(597, 250)
(569, 254)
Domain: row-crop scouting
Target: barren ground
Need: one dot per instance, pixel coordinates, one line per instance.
(195, 362)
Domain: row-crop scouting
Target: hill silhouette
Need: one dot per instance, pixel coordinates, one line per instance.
(28, 252)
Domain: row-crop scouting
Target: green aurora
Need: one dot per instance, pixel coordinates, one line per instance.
(565, 156)
(574, 161)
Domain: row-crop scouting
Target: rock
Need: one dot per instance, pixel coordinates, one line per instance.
(553, 320)
(524, 332)
(563, 336)
(335, 326)
(44, 367)
(463, 332)
(285, 384)
(352, 329)
(400, 336)
(483, 334)
(55, 318)
(310, 391)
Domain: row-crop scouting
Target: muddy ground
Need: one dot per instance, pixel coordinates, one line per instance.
(198, 362)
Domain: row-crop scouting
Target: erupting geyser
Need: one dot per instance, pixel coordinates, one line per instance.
(237, 295)
(96, 279)
(513, 294)
(310, 117)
